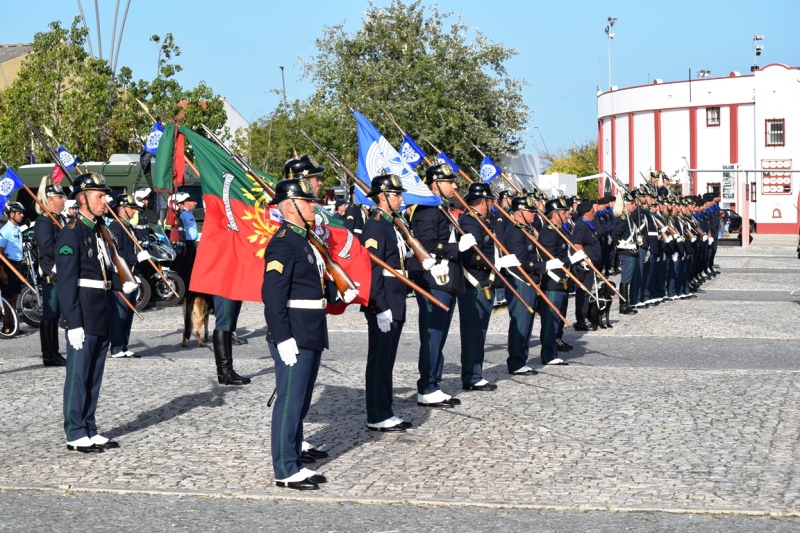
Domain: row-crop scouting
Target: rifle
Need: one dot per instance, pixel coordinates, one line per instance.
(340, 277)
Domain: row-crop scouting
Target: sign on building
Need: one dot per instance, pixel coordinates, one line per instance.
(729, 184)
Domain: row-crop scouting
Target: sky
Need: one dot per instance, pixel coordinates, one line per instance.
(237, 47)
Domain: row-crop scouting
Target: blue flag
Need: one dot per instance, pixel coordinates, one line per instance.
(9, 183)
(412, 154)
(67, 158)
(442, 158)
(152, 140)
(376, 156)
(489, 170)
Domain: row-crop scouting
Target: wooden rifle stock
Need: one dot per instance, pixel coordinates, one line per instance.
(124, 273)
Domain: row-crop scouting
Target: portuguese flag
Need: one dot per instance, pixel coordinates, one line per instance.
(239, 224)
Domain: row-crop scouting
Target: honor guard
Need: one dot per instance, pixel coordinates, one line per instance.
(521, 320)
(476, 300)
(11, 247)
(45, 231)
(443, 281)
(294, 293)
(86, 277)
(555, 284)
(127, 208)
(353, 215)
(585, 238)
(386, 312)
(626, 241)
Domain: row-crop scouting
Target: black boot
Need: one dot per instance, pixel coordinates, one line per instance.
(625, 307)
(50, 355)
(54, 334)
(230, 337)
(222, 356)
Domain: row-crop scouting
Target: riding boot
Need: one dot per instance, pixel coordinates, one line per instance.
(229, 340)
(222, 356)
(50, 355)
(625, 307)
(54, 333)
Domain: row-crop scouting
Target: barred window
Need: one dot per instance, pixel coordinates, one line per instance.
(712, 117)
(774, 132)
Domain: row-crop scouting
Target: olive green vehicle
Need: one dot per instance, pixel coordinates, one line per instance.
(121, 172)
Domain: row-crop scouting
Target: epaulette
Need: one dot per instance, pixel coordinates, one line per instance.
(281, 234)
(623, 216)
(72, 223)
(377, 215)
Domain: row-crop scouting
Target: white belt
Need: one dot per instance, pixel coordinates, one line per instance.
(308, 304)
(390, 275)
(94, 284)
(652, 233)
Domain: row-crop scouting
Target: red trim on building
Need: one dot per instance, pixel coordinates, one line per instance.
(779, 228)
(630, 151)
(677, 108)
(693, 145)
(734, 131)
(601, 182)
(657, 137)
(613, 145)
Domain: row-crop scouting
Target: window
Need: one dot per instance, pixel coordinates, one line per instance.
(774, 132)
(712, 117)
(713, 187)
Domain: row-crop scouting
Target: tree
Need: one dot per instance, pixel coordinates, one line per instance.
(411, 61)
(580, 160)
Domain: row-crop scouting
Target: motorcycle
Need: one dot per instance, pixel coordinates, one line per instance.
(29, 302)
(152, 286)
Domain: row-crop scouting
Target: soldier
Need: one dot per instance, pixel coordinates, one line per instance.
(476, 299)
(626, 243)
(386, 312)
(294, 294)
(45, 231)
(123, 314)
(444, 280)
(555, 284)
(521, 320)
(585, 238)
(353, 214)
(86, 276)
(11, 247)
(338, 210)
(226, 314)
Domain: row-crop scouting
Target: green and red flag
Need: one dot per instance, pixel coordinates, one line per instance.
(239, 223)
(170, 167)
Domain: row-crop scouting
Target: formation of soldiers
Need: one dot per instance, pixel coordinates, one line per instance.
(538, 250)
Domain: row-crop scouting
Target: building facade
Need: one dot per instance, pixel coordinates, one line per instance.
(706, 133)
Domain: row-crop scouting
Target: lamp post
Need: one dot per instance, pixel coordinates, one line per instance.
(283, 83)
(611, 21)
(757, 48)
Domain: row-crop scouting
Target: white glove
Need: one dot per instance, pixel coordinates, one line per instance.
(385, 320)
(350, 294)
(674, 257)
(668, 239)
(585, 266)
(705, 238)
(609, 239)
(129, 286)
(554, 264)
(288, 351)
(467, 241)
(75, 337)
(664, 229)
(143, 256)
(428, 263)
(647, 256)
(507, 261)
(577, 256)
(441, 273)
(711, 240)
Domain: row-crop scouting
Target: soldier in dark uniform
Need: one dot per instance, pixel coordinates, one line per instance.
(353, 215)
(585, 238)
(476, 300)
(624, 236)
(86, 279)
(45, 231)
(386, 312)
(521, 320)
(121, 326)
(443, 281)
(652, 254)
(554, 281)
(294, 293)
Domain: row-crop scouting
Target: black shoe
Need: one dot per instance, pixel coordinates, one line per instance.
(627, 311)
(238, 341)
(316, 454)
(94, 448)
(306, 458)
(452, 402)
(394, 429)
(562, 346)
(529, 372)
(317, 478)
(487, 387)
(108, 445)
(306, 484)
(582, 326)
(54, 360)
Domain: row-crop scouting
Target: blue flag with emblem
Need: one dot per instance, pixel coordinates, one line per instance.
(489, 171)
(442, 158)
(376, 156)
(151, 145)
(412, 154)
(9, 183)
(67, 158)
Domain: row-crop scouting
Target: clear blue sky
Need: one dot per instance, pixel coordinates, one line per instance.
(238, 46)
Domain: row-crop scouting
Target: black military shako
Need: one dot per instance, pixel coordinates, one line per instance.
(386, 292)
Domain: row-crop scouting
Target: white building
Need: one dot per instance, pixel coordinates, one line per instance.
(751, 122)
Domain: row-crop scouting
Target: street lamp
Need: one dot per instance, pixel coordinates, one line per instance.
(283, 83)
(703, 73)
(611, 21)
(757, 48)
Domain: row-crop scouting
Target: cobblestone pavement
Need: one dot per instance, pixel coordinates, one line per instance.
(684, 416)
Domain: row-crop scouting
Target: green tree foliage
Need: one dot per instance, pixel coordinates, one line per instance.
(580, 160)
(438, 77)
(89, 110)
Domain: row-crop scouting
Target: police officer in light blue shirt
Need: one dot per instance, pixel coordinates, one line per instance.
(11, 247)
